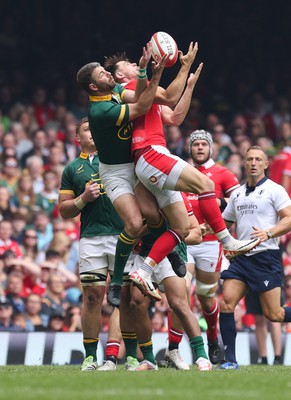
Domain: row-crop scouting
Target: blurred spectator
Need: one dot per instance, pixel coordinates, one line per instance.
(18, 319)
(159, 322)
(52, 300)
(14, 292)
(29, 244)
(47, 199)
(34, 320)
(43, 112)
(8, 152)
(24, 142)
(72, 322)
(234, 163)
(281, 114)
(5, 208)
(6, 243)
(34, 165)
(24, 194)
(10, 174)
(40, 143)
(61, 246)
(257, 113)
(56, 322)
(9, 142)
(256, 128)
(174, 139)
(220, 136)
(26, 118)
(279, 162)
(44, 230)
(6, 312)
(19, 222)
(80, 106)
(56, 157)
(72, 148)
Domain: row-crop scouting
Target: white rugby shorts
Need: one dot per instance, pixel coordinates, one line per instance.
(118, 179)
(207, 256)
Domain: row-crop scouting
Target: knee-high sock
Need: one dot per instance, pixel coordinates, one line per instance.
(228, 334)
(175, 335)
(158, 230)
(147, 351)
(164, 245)
(211, 318)
(197, 345)
(123, 250)
(210, 211)
(130, 343)
(90, 346)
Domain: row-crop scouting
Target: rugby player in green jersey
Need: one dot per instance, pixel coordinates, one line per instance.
(109, 120)
(82, 193)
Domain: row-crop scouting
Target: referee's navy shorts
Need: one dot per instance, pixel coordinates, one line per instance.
(260, 272)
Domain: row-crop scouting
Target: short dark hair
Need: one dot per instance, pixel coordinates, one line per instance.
(84, 75)
(111, 62)
(80, 123)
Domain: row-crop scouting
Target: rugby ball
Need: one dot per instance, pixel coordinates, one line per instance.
(163, 43)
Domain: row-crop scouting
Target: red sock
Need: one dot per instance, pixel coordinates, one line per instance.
(112, 348)
(175, 335)
(211, 319)
(164, 245)
(210, 211)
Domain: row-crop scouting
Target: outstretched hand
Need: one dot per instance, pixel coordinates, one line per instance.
(193, 78)
(158, 67)
(146, 55)
(189, 58)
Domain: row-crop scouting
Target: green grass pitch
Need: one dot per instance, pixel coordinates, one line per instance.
(67, 382)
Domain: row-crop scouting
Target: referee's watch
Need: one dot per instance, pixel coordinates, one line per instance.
(269, 234)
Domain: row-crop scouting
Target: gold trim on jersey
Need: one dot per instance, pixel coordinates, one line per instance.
(121, 115)
(66, 191)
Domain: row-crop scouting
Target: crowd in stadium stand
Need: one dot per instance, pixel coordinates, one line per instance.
(39, 108)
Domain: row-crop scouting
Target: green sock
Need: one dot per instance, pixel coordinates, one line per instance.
(130, 343)
(147, 351)
(90, 346)
(123, 250)
(197, 345)
(158, 230)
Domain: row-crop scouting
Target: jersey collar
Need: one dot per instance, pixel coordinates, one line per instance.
(108, 97)
(250, 189)
(85, 155)
(209, 163)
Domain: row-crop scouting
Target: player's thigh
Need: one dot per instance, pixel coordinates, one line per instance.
(147, 203)
(177, 216)
(271, 302)
(233, 291)
(128, 209)
(193, 181)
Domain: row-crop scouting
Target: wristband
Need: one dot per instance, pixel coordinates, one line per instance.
(142, 73)
(223, 203)
(142, 76)
(79, 203)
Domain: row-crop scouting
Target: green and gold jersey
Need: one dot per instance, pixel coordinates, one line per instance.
(98, 217)
(110, 127)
